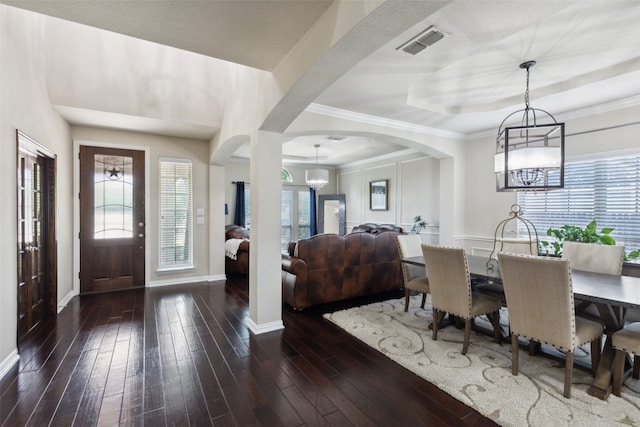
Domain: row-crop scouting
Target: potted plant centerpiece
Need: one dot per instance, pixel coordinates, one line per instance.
(418, 224)
(574, 233)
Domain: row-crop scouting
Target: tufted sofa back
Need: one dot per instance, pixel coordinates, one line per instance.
(330, 267)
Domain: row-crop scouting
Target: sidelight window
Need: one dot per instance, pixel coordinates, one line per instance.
(176, 213)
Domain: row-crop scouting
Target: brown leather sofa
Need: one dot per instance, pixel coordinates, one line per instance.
(240, 265)
(330, 267)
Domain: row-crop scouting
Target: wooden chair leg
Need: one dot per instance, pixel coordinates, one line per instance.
(495, 321)
(457, 321)
(424, 299)
(568, 374)
(618, 371)
(514, 354)
(636, 366)
(596, 350)
(467, 332)
(406, 299)
(436, 322)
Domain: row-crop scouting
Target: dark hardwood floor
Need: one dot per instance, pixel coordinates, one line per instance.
(181, 355)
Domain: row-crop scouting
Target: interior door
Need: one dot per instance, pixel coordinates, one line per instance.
(112, 222)
(31, 281)
(36, 237)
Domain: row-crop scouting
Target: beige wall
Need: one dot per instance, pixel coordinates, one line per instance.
(160, 146)
(25, 105)
(414, 189)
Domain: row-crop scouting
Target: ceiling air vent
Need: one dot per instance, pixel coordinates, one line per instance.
(421, 41)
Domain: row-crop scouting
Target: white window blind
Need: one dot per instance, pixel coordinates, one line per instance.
(247, 206)
(296, 212)
(304, 214)
(605, 190)
(287, 219)
(176, 213)
(296, 215)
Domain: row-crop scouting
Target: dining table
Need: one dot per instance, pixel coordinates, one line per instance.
(612, 295)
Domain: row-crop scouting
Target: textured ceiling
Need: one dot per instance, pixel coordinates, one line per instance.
(587, 53)
(255, 33)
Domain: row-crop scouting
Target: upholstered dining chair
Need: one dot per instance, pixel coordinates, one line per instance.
(415, 277)
(605, 259)
(595, 258)
(539, 297)
(450, 285)
(625, 340)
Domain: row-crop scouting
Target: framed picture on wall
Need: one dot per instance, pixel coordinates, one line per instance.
(378, 195)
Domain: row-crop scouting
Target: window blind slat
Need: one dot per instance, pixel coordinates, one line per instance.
(607, 190)
(176, 213)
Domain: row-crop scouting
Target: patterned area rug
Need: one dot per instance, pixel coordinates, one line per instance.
(482, 378)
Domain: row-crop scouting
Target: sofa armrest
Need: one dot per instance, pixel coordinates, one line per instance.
(244, 246)
(294, 281)
(294, 265)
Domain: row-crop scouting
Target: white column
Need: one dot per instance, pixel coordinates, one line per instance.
(216, 222)
(452, 202)
(265, 259)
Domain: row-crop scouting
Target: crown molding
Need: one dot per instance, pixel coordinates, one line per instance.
(380, 121)
(384, 157)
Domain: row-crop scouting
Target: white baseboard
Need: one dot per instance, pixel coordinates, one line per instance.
(8, 363)
(265, 327)
(184, 280)
(62, 304)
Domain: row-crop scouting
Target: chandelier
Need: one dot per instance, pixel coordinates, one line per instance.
(530, 157)
(316, 178)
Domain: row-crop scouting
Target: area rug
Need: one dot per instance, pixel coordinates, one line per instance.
(482, 378)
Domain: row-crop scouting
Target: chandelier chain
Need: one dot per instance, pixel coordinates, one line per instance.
(526, 92)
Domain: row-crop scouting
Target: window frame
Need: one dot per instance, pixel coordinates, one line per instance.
(604, 189)
(300, 201)
(188, 263)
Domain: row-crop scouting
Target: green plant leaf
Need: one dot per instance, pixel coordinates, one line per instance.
(633, 254)
(607, 240)
(574, 233)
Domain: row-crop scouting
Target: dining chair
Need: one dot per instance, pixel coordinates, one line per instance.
(539, 296)
(626, 340)
(415, 277)
(595, 258)
(516, 246)
(450, 284)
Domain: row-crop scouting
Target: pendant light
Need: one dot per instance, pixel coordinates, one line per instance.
(530, 157)
(316, 178)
